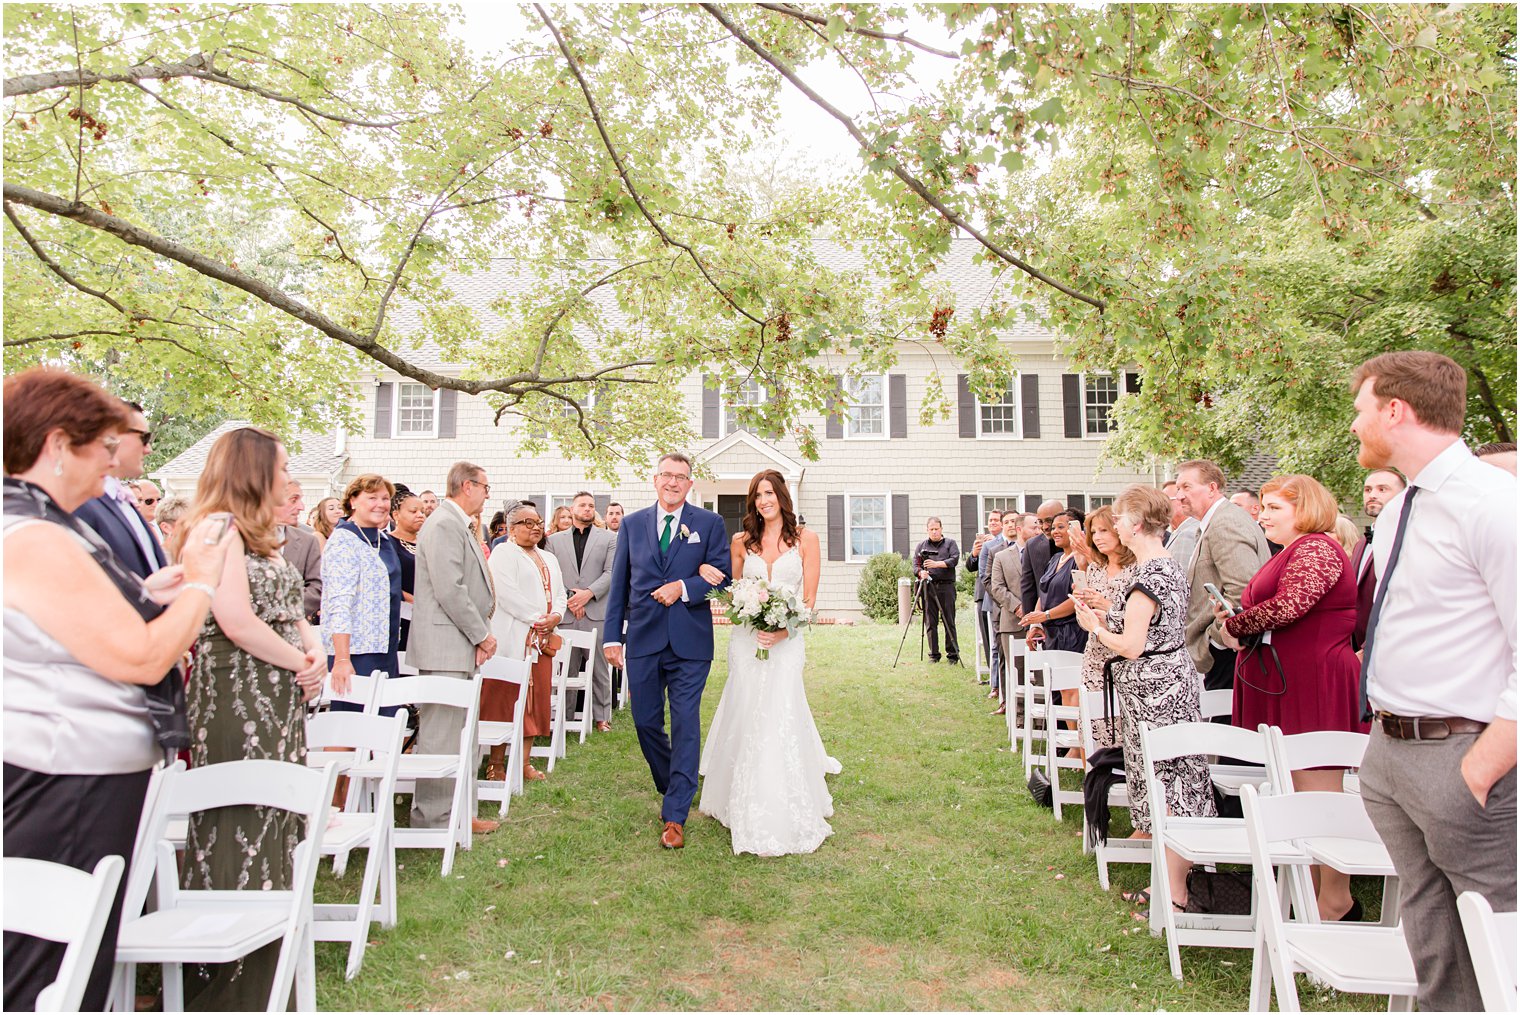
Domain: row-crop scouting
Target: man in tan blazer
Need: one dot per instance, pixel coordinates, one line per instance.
(1231, 549)
(1003, 586)
(451, 626)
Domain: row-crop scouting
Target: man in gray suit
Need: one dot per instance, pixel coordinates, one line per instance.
(1184, 537)
(451, 626)
(1231, 549)
(979, 562)
(301, 550)
(1003, 578)
(585, 555)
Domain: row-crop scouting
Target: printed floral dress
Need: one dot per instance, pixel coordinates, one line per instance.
(1105, 728)
(1162, 688)
(241, 707)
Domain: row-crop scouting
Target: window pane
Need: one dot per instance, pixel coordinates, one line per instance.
(749, 392)
(1101, 391)
(868, 526)
(414, 409)
(1002, 415)
(866, 419)
(1097, 500)
(1009, 503)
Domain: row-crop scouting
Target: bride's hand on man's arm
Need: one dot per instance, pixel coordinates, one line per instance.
(711, 575)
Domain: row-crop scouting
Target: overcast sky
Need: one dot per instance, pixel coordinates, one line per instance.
(489, 25)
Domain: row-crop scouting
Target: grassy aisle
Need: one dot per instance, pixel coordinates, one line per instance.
(943, 887)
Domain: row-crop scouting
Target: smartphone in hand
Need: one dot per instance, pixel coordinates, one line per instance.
(1218, 599)
(1079, 581)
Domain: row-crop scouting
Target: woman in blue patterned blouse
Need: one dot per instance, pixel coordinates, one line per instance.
(361, 588)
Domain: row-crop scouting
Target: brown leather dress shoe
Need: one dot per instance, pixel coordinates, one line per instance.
(674, 836)
(483, 826)
(604, 727)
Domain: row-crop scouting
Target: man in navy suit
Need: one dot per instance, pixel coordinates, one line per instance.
(668, 645)
(114, 515)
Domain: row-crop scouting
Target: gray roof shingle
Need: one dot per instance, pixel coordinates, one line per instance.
(316, 457)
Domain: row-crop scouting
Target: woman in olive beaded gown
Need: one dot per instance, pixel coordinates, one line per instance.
(256, 662)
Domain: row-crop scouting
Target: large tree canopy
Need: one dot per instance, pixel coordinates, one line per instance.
(1240, 199)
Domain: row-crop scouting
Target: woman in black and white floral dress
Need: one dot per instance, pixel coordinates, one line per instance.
(256, 662)
(1157, 682)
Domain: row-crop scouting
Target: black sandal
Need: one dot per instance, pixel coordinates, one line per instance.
(1139, 897)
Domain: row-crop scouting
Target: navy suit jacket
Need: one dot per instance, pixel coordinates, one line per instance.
(102, 515)
(639, 568)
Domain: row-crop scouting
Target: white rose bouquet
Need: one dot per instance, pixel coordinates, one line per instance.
(760, 606)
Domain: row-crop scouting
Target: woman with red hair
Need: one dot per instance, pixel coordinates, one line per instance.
(1296, 669)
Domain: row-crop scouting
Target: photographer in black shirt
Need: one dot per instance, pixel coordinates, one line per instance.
(934, 562)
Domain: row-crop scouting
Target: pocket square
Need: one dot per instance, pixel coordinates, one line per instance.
(695, 537)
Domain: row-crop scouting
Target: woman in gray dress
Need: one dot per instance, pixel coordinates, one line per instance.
(1157, 682)
(256, 662)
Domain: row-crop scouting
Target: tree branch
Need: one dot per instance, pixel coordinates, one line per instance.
(792, 11)
(11, 343)
(617, 160)
(896, 167)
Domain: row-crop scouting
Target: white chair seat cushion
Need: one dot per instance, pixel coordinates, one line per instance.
(493, 734)
(414, 766)
(347, 831)
(1209, 840)
(1353, 959)
(197, 933)
(1229, 778)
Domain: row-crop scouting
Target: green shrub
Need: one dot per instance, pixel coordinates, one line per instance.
(878, 586)
(965, 585)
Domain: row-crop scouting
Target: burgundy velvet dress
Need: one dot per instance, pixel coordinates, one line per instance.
(1306, 596)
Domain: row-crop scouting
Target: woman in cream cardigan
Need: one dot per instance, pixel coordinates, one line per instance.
(530, 603)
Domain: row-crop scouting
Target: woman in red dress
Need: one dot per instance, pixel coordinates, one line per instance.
(1307, 677)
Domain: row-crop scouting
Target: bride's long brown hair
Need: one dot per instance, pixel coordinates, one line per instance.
(754, 525)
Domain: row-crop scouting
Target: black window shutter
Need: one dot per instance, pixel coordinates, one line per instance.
(900, 526)
(966, 405)
(969, 515)
(384, 401)
(1029, 395)
(897, 407)
(1077, 500)
(1032, 502)
(602, 500)
(1071, 403)
(833, 421)
(448, 413)
(1132, 383)
(711, 420)
(837, 549)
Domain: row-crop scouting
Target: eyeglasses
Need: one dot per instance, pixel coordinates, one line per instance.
(666, 477)
(110, 443)
(532, 523)
(484, 486)
(145, 435)
(147, 501)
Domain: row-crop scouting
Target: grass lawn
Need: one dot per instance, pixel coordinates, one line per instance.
(943, 887)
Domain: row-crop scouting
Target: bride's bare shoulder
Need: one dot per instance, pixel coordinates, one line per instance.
(809, 540)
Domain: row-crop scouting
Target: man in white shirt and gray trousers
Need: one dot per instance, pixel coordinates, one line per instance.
(1438, 665)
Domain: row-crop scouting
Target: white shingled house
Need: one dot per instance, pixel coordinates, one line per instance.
(879, 475)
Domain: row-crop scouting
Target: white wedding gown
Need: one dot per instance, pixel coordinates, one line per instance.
(764, 763)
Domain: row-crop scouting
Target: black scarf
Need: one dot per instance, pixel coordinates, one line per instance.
(166, 699)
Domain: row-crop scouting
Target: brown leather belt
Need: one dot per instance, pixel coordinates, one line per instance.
(1402, 727)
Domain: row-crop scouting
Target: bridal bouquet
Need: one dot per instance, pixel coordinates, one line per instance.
(760, 606)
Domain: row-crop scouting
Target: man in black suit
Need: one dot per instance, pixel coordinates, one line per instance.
(1037, 555)
(114, 516)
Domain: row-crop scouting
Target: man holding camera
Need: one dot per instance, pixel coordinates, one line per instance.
(934, 562)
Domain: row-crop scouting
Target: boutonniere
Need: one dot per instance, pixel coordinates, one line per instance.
(690, 536)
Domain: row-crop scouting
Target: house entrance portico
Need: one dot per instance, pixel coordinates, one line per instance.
(730, 464)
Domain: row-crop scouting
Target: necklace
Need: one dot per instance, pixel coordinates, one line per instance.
(379, 538)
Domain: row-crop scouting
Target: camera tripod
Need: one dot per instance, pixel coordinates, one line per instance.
(920, 609)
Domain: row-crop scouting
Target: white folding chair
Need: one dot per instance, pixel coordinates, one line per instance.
(555, 749)
(1036, 697)
(1229, 778)
(1063, 680)
(1204, 841)
(361, 690)
(981, 644)
(1491, 940)
(403, 668)
(1355, 958)
(196, 926)
(59, 903)
(374, 742)
(1114, 850)
(457, 767)
(571, 682)
(509, 734)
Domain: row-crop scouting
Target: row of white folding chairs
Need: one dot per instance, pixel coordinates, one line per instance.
(191, 926)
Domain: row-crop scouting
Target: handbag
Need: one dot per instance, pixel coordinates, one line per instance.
(1220, 892)
(1039, 787)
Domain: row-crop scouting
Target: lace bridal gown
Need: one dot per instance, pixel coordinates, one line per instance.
(764, 763)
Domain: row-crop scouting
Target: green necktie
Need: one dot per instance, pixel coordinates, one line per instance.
(665, 536)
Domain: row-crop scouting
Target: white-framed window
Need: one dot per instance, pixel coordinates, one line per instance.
(416, 411)
(867, 524)
(1099, 392)
(1004, 416)
(867, 406)
(1003, 502)
(748, 392)
(1097, 500)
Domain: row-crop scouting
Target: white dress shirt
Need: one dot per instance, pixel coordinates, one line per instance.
(1446, 636)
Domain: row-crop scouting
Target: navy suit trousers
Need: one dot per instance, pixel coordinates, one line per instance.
(674, 759)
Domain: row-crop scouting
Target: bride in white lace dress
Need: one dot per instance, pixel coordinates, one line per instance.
(763, 765)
